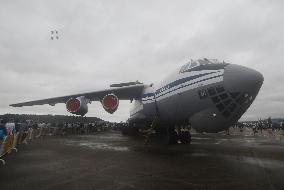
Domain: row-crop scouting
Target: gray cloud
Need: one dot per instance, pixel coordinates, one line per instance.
(104, 42)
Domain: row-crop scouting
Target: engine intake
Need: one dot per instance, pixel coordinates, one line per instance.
(110, 103)
(77, 106)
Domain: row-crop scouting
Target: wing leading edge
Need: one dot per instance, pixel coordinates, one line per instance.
(123, 93)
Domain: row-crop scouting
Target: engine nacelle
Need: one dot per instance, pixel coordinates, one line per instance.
(77, 105)
(110, 103)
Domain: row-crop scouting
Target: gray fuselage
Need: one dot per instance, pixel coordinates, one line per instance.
(208, 94)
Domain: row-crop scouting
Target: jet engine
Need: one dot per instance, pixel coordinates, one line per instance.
(110, 103)
(77, 105)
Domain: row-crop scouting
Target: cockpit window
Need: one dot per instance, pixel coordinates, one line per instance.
(203, 61)
(202, 64)
(191, 64)
(206, 61)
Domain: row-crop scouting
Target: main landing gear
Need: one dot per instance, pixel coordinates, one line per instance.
(178, 135)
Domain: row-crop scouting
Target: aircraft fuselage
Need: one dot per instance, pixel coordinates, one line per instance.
(210, 95)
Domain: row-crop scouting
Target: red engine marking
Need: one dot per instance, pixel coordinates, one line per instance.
(73, 105)
(110, 102)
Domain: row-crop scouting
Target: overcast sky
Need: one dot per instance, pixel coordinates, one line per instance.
(110, 41)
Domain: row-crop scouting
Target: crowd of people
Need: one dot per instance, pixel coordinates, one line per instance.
(258, 128)
(78, 128)
(14, 133)
(181, 134)
(260, 125)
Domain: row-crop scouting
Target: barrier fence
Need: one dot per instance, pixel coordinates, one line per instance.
(24, 134)
(13, 140)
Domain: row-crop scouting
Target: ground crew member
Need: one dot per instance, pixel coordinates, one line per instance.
(151, 130)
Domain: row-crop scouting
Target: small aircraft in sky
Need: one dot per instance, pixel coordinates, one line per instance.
(209, 94)
(54, 34)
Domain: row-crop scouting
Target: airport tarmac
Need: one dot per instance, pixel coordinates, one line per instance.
(110, 160)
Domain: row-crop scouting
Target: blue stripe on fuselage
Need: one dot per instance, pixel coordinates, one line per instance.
(151, 96)
(157, 96)
(180, 81)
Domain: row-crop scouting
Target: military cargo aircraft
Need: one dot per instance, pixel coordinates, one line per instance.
(209, 94)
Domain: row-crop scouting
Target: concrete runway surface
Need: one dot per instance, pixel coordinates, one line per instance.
(111, 161)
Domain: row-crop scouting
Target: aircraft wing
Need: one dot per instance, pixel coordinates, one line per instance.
(123, 93)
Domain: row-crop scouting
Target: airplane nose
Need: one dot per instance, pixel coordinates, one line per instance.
(241, 86)
(240, 79)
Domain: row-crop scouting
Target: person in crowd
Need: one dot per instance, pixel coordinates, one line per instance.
(10, 127)
(30, 134)
(24, 135)
(21, 132)
(259, 124)
(148, 133)
(3, 130)
(227, 131)
(64, 129)
(254, 129)
(186, 135)
(17, 125)
(189, 133)
(182, 135)
(176, 135)
(40, 131)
